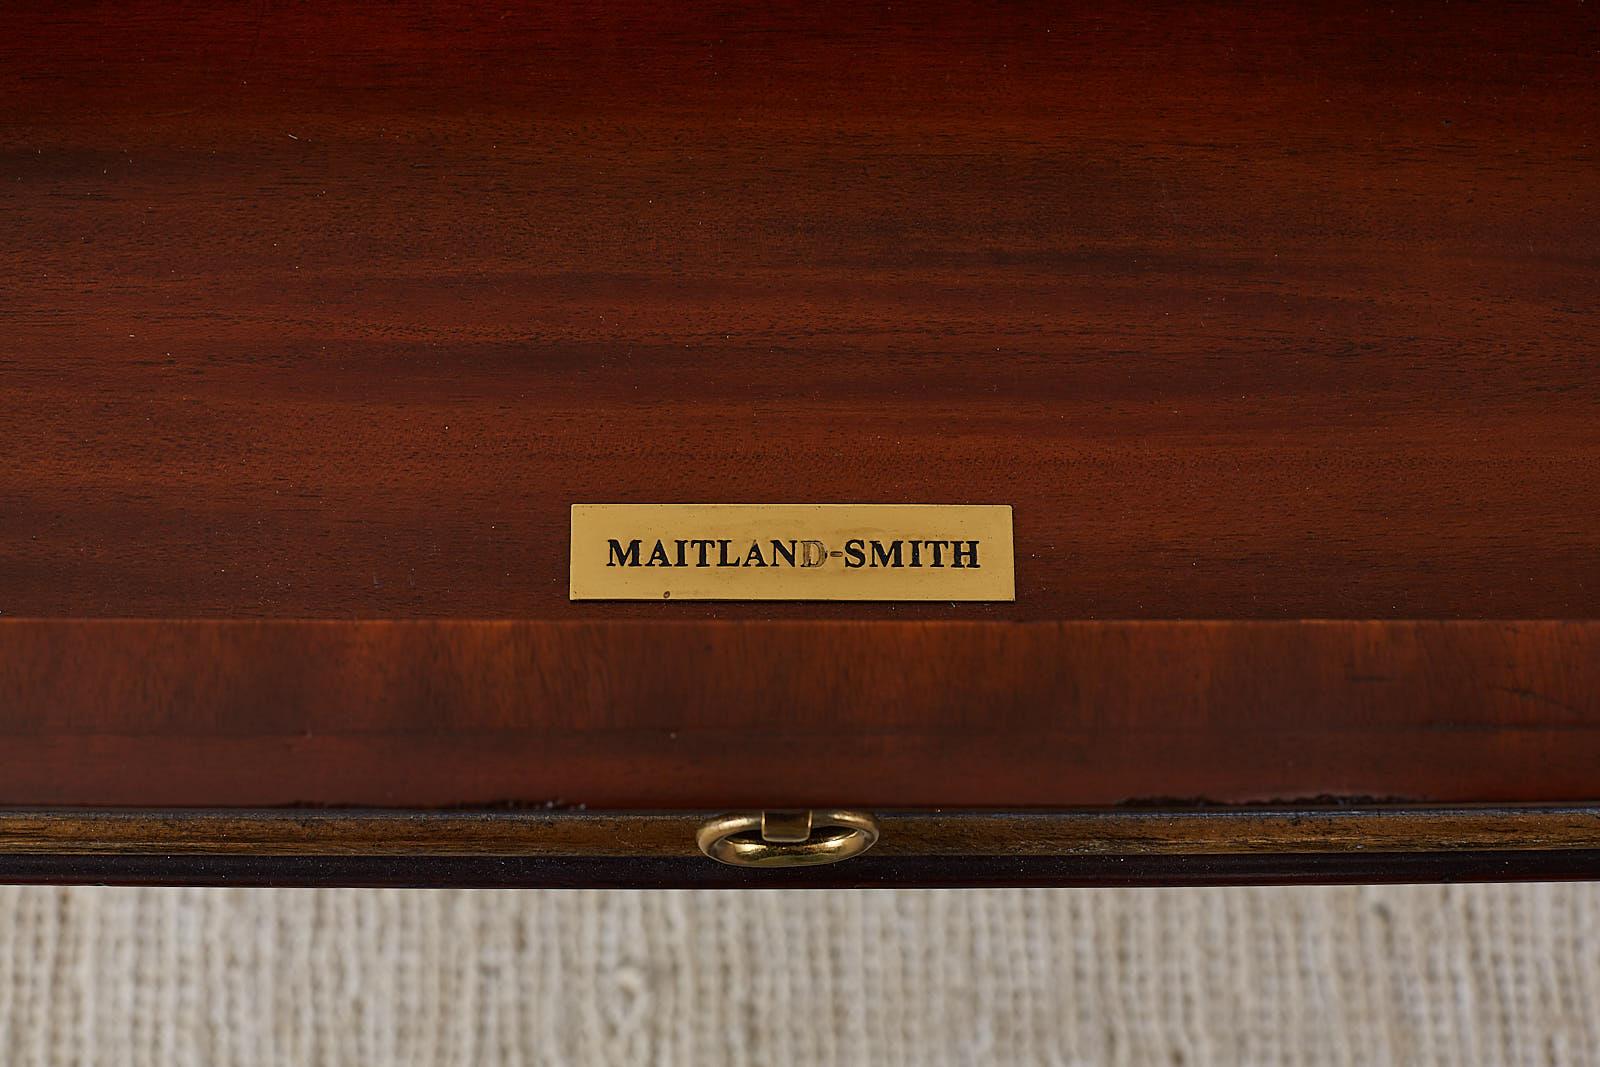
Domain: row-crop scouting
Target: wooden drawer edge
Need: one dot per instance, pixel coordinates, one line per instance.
(1077, 832)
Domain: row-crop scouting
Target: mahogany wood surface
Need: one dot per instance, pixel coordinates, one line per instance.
(1251, 310)
(826, 714)
(316, 319)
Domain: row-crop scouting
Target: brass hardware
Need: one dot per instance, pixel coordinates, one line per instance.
(669, 553)
(786, 827)
(787, 838)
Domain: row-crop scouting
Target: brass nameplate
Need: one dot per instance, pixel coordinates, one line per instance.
(792, 552)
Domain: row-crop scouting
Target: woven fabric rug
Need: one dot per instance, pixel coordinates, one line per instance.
(1357, 976)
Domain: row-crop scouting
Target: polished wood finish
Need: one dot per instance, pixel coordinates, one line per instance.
(634, 849)
(316, 320)
(1252, 310)
(720, 714)
(1090, 832)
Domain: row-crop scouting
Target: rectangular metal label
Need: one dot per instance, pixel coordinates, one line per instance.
(792, 552)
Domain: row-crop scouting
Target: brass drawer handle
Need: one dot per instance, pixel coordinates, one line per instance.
(787, 838)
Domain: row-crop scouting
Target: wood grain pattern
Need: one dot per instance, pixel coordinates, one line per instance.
(1124, 832)
(1252, 310)
(803, 714)
(315, 320)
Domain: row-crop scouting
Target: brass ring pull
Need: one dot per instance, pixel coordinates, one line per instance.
(787, 838)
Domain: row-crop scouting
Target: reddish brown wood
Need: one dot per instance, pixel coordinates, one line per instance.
(714, 715)
(1252, 310)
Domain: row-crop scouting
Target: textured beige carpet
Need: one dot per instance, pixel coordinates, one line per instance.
(1399, 975)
